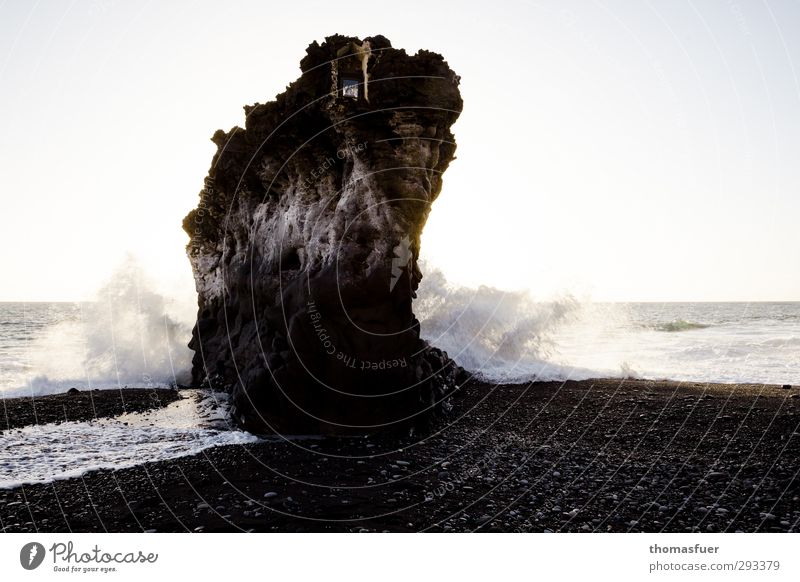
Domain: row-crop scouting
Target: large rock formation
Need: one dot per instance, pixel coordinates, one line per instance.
(305, 242)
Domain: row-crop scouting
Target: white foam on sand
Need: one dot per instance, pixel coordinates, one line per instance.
(44, 453)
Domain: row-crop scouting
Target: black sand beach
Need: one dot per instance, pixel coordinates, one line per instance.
(602, 455)
(81, 405)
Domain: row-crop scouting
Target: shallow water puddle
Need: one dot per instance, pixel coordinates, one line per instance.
(40, 454)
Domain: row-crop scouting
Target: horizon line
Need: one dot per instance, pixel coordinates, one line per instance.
(536, 301)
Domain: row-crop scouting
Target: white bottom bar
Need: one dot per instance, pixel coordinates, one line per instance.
(389, 557)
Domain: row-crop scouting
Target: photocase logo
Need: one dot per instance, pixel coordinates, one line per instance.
(402, 256)
(31, 555)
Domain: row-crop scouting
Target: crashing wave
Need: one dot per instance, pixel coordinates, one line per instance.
(499, 336)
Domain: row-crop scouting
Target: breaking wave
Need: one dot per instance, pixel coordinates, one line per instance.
(501, 336)
(129, 336)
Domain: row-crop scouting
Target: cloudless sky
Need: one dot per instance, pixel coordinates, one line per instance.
(618, 150)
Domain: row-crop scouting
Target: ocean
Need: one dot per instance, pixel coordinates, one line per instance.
(51, 347)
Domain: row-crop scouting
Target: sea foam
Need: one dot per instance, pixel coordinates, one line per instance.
(129, 336)
(43, 453)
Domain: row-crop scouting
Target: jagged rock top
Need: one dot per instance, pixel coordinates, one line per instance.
(396, 82)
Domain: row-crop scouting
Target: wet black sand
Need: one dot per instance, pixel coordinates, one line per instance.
(605, 455)
(81, 405)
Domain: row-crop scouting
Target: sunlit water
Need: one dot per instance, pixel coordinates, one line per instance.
(701, 342)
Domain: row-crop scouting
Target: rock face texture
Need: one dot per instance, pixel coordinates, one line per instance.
(305, 242)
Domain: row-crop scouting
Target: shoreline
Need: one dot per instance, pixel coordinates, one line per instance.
(84, 405)
(594, 455)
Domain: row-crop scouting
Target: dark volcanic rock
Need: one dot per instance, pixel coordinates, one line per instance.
(305, 242)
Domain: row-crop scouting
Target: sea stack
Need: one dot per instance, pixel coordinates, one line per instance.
(304, 245)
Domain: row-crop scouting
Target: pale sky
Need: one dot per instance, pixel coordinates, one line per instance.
(636, 150)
